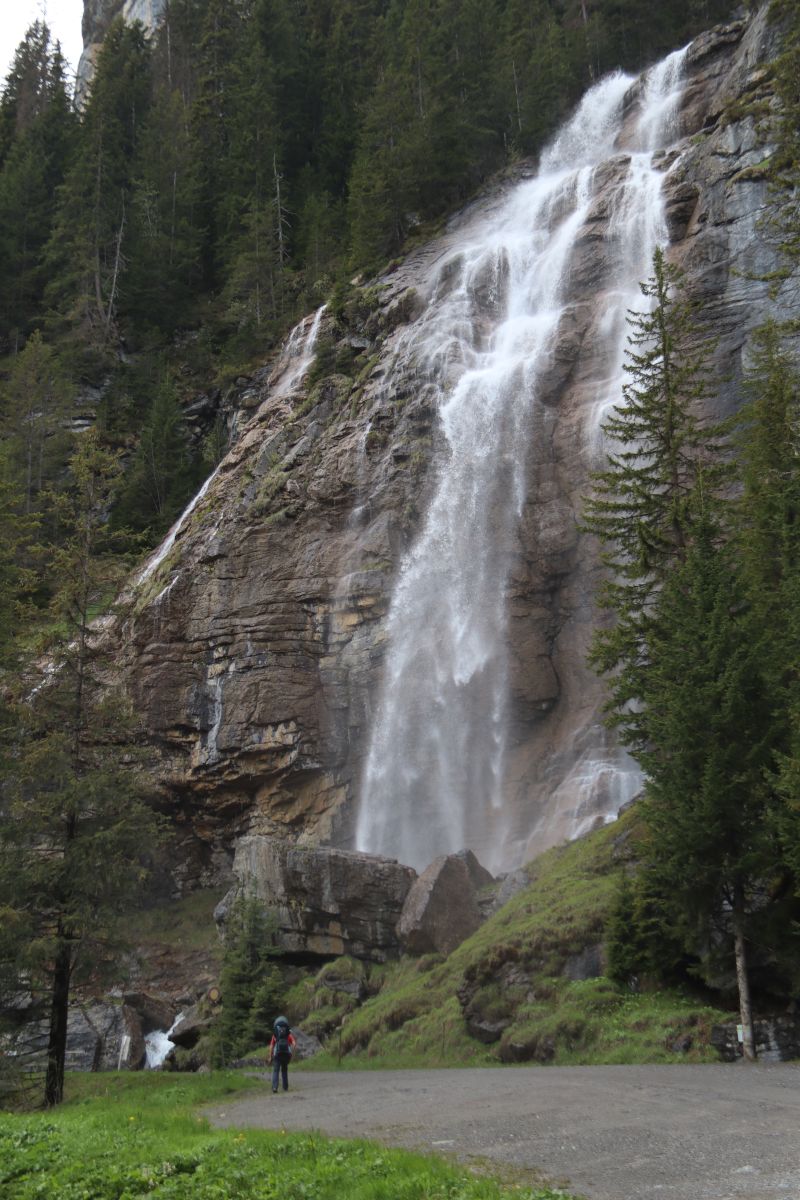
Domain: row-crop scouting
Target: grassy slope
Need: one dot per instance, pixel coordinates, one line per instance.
(512, 970)
(189, 922)
(122, 1136)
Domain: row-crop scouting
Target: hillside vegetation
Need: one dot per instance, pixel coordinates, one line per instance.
(511, 992)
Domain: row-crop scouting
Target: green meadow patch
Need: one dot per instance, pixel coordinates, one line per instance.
(121, 1136)
(517, 974)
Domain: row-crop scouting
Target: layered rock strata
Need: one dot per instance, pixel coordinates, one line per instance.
(255, 643)
(327, 903)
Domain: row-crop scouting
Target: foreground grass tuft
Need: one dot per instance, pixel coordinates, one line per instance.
(123, 1136)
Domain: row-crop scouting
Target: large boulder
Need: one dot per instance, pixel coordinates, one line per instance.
(101, 1036)
(441, 908)
(155, 1012)
(327, 902)
(191, 1027)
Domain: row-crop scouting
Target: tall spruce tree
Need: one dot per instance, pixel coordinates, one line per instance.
(704, 740)
(32, 406)
(767, 534)
(250, 981)
(75, 827)
(642, 507)
(161, 476)
(40, 141)
(87, 255)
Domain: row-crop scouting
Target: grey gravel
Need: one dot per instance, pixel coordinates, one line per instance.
(693, 1132)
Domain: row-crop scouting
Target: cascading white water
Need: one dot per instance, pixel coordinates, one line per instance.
(433, 781)
(157, 1045)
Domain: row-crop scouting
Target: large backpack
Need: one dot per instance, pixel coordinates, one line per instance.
(282, 1031)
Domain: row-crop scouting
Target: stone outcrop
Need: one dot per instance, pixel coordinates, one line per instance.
(103, 1035)
(327, 903)
(97, 17)
(777, 1040)
(255, 642)
(441, 908)
(190, 1028)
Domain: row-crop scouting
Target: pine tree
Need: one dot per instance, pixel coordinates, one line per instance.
(767, 533)
(87, 255)
(642, 507)
(161, 476)
(166, 238)
(40, 142)
(705, 743)
(249, 979)
(74, 822)
(32, 407)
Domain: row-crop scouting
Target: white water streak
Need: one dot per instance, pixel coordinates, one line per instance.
(434, 775)
(295, 359)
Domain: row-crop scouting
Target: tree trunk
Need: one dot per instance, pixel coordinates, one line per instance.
(59, 1011)
(112, 299)
(742, 980)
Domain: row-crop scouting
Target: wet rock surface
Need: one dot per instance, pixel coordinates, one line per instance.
(101, 1036)
(610, 1133)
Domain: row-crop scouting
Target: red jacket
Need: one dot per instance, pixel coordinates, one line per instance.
(292, 1044)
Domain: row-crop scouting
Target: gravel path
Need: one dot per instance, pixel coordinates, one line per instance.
(612, 1133)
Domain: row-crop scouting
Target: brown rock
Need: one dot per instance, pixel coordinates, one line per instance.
(327, 902)
(189, 1030)
(255, 648)
(441, 909)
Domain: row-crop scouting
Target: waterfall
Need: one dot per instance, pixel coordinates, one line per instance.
(157, 1045)
(434, 775)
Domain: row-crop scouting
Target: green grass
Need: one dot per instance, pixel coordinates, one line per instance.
(188, 923)
(120, 1136)
(513, 970)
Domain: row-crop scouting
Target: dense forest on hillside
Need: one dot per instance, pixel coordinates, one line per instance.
(227, 172)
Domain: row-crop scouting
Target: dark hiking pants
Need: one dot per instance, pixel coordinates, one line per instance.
(280, 1062)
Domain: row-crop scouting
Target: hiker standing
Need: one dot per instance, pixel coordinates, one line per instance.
(281, 1049)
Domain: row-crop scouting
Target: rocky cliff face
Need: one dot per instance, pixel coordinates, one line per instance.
(257, 638)
(97, 16)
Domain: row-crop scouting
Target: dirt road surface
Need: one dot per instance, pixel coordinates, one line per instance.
(611, 1133)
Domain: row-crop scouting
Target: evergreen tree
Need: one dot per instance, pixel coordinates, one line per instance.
(32, 408)
(32, 169)
(161, 477)
(767, 533)
(87, 255)
(27, 90)
(643, 505)
(704, 739)
(249, 980)
(74, 821)
(165, 243)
